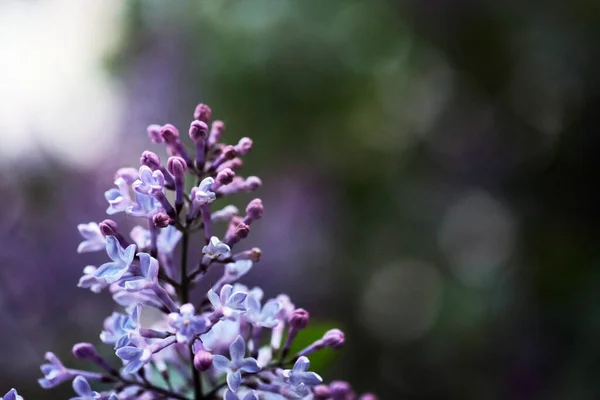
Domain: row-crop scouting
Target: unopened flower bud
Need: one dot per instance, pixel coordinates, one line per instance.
(84, 351)
(203, 360)
(203, 113)
(161, 220)
(169, 133)
(228, 152)
(299, 318)
(322, 392)
(368, 396)
(334, 338)
(234, 164)
(340, 390)
(225, 176)
(150, 159)
(154, 133)
(252, 183)
(108, 227)
(254, 210)
(176, 166)
(198, 130)
(242, 231)
(216, 131)
(244, 146)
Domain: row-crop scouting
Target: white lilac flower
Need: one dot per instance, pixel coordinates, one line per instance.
(221, 335)
(265, 316)
(89, 280)
(83, 389)
(121, 260)
(229, 395)
(187, 325)
(298, 378)
(94, 240)
(216, 250)
(228, 302)
(119, 199)
(236, 364)
(11, 395)
(235, 270)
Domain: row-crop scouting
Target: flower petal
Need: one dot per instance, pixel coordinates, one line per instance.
(301, 364)
(221, 362)
(81, 386)
(234, 380)
(249, 365)
(128, 353)
(237, 350)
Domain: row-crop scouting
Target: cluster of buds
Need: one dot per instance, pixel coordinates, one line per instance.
(210, 349)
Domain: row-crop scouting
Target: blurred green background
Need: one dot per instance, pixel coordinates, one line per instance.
(429, 171)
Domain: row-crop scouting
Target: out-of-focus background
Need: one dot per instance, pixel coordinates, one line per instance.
(429, 174)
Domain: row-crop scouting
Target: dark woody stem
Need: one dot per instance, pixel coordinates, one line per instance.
(185, 298)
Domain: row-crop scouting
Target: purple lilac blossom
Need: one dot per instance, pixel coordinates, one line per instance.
(236, 363)
(188, 338)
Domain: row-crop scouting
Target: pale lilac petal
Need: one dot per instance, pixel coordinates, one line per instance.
(236, 301)
(250, 396)
(187, 308)
(234, 380)
(128, 353)
(221, 362)
(301, 364)
(249, 365)
(237, 350)
(214, 299)
(81, 386)
(113, 248)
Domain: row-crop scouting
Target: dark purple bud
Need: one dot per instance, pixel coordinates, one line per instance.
(322, 392)
(198, 130)
(203, 360)
(255, 209)
(368, 396)
(234, 164)
(252, 183)
(128, 174)
(225, 176)
(150, 159)
(242, 231)
(169, 133)
(334, 338)
(203, 113)
(228, 152)
(176, 166)
(84, 351)
(340, 390)
(244, 146)
(154, 133)
(108, 227)
(161, 220)
(299, 319)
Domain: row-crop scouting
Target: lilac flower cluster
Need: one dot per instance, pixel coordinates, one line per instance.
(211, 349)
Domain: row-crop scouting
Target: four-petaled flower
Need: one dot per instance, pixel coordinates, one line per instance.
(117, 328)
(149, 182)
(235, 270)
(266, 316)
(236, 364)
(121, 260)
(135, 357)
(83, 389)
(216, 249)
(11, 395)
(202, 194)
(55, 372)
(148, 278)
(118, 199)
(229, 303)
(229, 395)
(94, 240)
(299, 378)
(187, 324)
